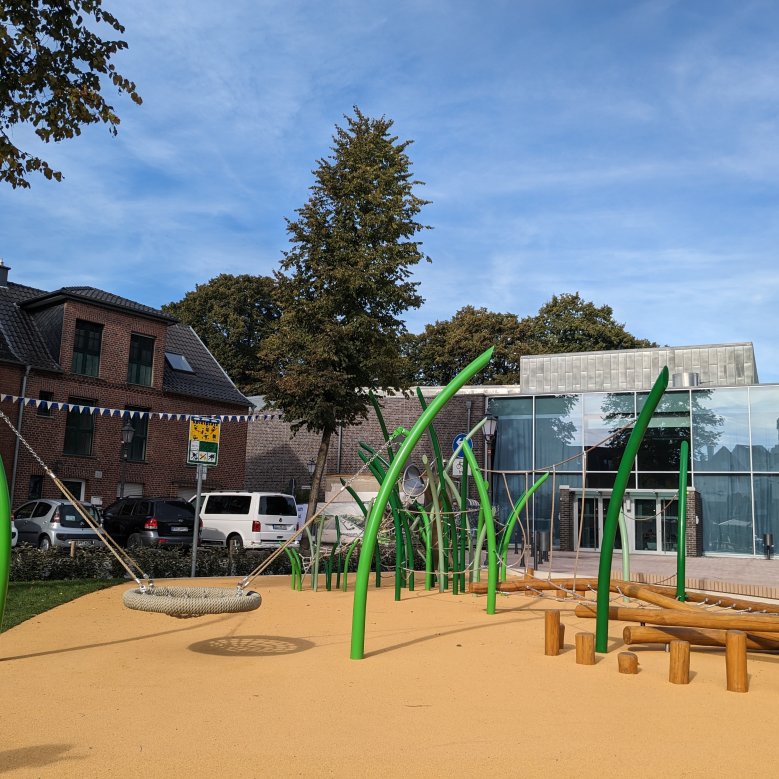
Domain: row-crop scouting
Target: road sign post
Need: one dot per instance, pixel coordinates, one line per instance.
(202, 451)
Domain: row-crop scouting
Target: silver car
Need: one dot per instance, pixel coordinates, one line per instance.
(51, 522)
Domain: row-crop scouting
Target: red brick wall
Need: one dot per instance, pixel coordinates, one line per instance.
(165, 471)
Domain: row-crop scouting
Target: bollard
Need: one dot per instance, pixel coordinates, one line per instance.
(627, 662)
(72, 549)
(585, 648)
(552, 633)
(679, 666)
(736, 661)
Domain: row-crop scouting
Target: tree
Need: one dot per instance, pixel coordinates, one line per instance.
(443, 349)
(232, 315)
(343, 285)
(567, 323)
(54, 67)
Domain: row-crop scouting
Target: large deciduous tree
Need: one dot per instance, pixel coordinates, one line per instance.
(568, 323)
(344, 284)
(53, 69)
(443, 349)
(232, 315)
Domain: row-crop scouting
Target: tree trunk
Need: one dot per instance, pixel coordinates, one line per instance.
(319, 472)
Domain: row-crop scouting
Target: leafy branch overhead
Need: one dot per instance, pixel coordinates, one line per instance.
(54, 70)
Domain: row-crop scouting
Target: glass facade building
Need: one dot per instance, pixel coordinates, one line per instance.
(580, 437)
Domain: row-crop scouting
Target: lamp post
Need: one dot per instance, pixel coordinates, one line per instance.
(128, 431)
(490, 429)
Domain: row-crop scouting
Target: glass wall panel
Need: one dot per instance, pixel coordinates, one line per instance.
(559, 432)
(727, 513)
(606, 480)
(657, 481)
(669, 426)
(766, 510)
(764, 418)
(542, 502)
(605, 416)
(720, 421)
(514, 441)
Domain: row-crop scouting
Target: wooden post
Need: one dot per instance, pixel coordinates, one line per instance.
(585, 648)
(562, 636)
(736, 661)
(627, 662)
(679, 668)
(552, 633)
(72, 549)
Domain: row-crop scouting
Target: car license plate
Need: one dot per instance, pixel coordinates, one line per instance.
(179, 529)
(281, 527)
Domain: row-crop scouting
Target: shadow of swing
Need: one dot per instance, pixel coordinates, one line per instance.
(37, 756)
(251, 646)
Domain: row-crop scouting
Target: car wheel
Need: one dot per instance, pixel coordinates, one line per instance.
(44, 543)
(234, 543)
(134, 541)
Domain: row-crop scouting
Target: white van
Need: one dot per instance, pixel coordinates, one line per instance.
(249, 520)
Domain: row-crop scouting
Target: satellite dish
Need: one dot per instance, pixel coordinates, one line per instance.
(413, 483)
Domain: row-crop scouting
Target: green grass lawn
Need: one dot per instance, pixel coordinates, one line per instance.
(26, 599)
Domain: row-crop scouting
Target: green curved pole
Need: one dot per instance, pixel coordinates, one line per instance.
(5, 540)
(377, 408)
(615, 504)
(489, 520)
(681, 532)
(372, 525)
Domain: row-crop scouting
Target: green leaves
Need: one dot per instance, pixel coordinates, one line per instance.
(51, 78)
(345, 281)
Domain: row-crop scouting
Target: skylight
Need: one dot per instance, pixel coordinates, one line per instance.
(178, 362)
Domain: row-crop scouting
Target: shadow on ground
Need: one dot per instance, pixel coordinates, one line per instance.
(251, 646)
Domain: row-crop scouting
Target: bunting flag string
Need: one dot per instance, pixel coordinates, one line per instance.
(123, 413)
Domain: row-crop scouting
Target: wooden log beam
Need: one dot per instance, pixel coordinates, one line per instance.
(530, 584)
(762, 623)
(635, 634)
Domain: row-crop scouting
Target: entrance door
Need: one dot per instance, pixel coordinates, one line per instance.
(593, 514)
(654, 521)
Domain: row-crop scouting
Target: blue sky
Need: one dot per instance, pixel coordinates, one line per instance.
(624, 150)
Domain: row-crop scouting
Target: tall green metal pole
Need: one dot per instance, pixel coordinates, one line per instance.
(615, 504)
(5, 540)
(681, 523)
(372, 525)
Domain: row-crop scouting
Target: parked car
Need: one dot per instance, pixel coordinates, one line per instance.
(135, 522)
(250, 520)
(52, 522)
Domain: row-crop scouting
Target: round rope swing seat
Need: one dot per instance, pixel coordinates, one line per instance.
(184, 602)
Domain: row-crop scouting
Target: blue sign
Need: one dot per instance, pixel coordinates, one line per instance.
(457, 440)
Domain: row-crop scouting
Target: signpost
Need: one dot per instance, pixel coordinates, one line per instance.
(202, 451)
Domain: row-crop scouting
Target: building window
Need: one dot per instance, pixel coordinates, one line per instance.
(35, 490)
(79, 429)
(86, 348)
(141, 360)
(44, 409)
(178, 362)
(136, 451)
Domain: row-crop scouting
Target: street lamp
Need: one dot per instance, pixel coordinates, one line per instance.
(489, 429)
(311, 465)
(128, 431)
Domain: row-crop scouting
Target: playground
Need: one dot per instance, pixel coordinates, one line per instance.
(458, 674)
(94, 689)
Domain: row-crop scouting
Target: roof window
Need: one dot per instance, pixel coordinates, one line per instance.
(178, 362)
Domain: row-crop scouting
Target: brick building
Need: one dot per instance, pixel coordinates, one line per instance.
(76, 365)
